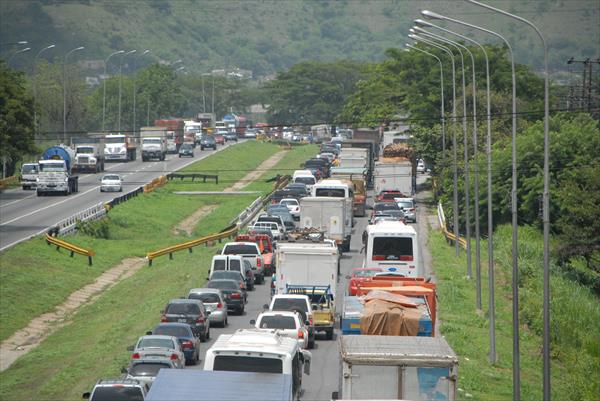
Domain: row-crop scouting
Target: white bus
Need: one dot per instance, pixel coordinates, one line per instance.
(393, 247)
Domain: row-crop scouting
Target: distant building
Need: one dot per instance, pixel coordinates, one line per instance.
(92, 82)
(91, 64)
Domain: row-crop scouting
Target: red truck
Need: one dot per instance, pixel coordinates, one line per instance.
(174, 133)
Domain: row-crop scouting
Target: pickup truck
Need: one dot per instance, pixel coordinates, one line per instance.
(251, 252)
(323, 309)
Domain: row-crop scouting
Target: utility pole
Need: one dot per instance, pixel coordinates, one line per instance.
(584, 98)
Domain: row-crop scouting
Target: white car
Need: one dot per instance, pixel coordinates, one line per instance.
(421, 167)
(111, 182)
(158, 347)
(293, 206)
(288, 323)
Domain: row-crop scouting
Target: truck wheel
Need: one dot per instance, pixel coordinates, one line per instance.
(311, 344)
(329, 334)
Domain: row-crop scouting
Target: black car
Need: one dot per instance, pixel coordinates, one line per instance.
(298, 190)
(208, 141)
(190, 311)
(232, 293)
(233, 275)
(189, 343)
(187, 149)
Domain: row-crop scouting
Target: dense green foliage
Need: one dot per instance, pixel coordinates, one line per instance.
(16, 119)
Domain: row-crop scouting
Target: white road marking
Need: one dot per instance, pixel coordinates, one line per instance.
(18, 200)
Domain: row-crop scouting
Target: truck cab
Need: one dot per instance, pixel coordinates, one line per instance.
(29, 175)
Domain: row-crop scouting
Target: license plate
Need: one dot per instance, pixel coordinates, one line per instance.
(182, 320)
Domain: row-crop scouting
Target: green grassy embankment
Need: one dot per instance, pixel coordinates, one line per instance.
(94, 345)
(34, 278)
(575, 323)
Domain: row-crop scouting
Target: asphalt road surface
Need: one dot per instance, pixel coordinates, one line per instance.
(23, 214)
(325, 365)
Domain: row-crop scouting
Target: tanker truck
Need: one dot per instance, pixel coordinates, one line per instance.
(55, 174)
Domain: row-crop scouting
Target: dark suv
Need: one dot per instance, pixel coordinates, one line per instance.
(190, 311)
(208, 141)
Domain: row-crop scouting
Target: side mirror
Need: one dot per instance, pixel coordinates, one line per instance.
(265, 306)
(252, 322)
(124, 370)
(148, 333)
(86, 396)
(208, 313)
(335, 395)
(307, 356)
(315, 307)
(307, 323)
(348, 277)
(130, 348)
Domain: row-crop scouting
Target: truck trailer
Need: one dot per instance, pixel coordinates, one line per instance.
(327, 214)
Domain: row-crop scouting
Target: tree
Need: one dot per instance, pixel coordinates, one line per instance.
(16, 119)
(312, 92)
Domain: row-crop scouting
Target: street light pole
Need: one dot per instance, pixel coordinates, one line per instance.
(454, 151)
(467, 180)
(135, 90)
(478, 302)
(104, 85)
(491, 305)
(65, 92)
(442, 109)
(546, 203)
(35, 85)
(120, 85)
(15, 53)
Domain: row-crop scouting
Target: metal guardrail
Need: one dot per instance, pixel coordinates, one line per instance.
(69, 225)
(230, 231)
(123, 198)
(449, 235)
(51, 240)
(193, 176)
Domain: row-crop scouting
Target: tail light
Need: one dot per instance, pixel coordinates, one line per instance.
(378, 257)
(200, 319)
(241, 286)
(407, 258)
(187, 345)
(300, 334)
(174, 357)
(219, 305)
(310, 320)
(163, 318)
(258, 262)
(236, 295)
(136, 355)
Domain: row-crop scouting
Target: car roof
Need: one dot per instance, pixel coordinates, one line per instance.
(173, 324)
(184, 301)
(159, 336)
(205, 290)
(240, 243)
(278, 313)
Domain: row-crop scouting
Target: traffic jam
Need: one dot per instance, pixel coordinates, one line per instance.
(380, 316)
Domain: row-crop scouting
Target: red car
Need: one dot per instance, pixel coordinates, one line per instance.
(219, 139)
(360, 275)
(388, 196)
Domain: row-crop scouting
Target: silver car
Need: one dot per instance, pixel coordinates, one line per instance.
(213, 301)
(408, 207)
(111, 182)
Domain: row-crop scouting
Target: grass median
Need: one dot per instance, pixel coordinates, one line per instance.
(575, 323)
(94, 344)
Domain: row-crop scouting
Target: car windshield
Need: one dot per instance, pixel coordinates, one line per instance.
(147, 369)
(152, 140)
(114, 139)
(29, 168)
(182, 309)
(226, 274)
(117, 392)
(240, 250)
(223, 284)
(111, 177)
(52, 167)
(305, 180)
(207, 298)
(149, 342)
(364, 273)
(186, 146)
(277, 322)
(290, 304)
(290, 202)
(405, 205)
(393, 248)
(208, 139)
(172, 330)
(390, 195)
(248, 364)
(386, 206)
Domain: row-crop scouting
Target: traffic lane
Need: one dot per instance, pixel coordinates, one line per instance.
(21, 220)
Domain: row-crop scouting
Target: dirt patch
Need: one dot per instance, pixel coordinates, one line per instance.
(256, 173)
(42, 326)
(187, 225)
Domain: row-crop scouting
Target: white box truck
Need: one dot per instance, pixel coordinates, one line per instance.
(154, 143)
(393, 173)
(398, 368)
(329, 215)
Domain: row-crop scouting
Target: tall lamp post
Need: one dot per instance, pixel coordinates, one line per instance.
(35, 84)
(442, 109)
(65, 92)
(455, 169)
(545, 205)
(467, 179)
(135, 89)
(491, 305)
(120, 86)
(104, 87)
(15, 53)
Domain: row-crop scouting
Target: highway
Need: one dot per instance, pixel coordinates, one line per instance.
(23, 214)
(325, 365)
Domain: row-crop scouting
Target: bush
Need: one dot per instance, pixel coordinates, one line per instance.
(95, 229)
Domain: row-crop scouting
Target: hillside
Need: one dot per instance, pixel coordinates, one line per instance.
(266, 36)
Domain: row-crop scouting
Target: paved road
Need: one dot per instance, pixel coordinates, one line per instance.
(325, 366)
(23, 214)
